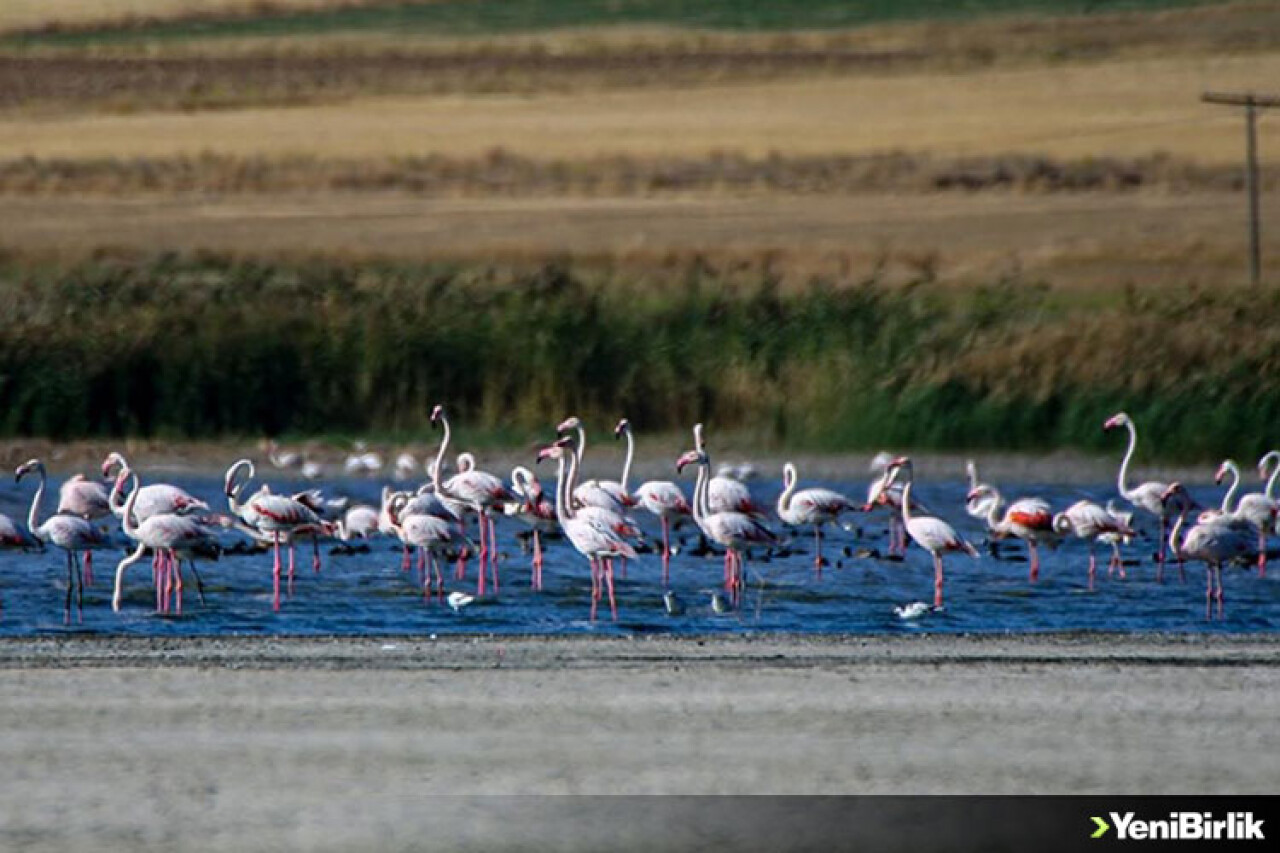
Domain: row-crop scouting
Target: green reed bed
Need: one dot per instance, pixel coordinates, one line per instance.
(207, 346)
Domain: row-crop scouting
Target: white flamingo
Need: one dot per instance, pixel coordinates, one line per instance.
(430, 534)
(1028, 519)
(1258, 508)
(277, 517)
(358, 522)
(1115, 540)
(734, 531)
(1213, 542)
(932, 534)
(591, 538)
(1089, 521)
(71, 533)
(481, 492)
(171, 538)
(1145, 496)
(152, 499)
(727, 494)
(977, 506)
(810, 506)
(536, 510)
(606, 494)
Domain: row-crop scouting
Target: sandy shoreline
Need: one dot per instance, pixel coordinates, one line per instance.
(253, 743)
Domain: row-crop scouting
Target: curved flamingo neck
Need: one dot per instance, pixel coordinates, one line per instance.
(131, 526)
(1273, 460)
(626, 465)
(1174, 535)
(971, 469)
(906, 498)
(578, 453)
(33, 515)
(563, 514)
(789, 480)
(116, 499)
(1227, 499)
(1123, 476)
(993, 514)
(444, 448)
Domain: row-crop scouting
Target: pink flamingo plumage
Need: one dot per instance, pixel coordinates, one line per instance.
(1214, 542)
(734, 531)
(535, 509)
(1258, 508)
(430, 534)
(662, 498)
(1089, 521)
(932, 534)
(810, 506)
(71, 533)
(170, 537)
(1028, 519)
(481, 492)
(590, 537)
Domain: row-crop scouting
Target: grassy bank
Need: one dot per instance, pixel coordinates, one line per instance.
(205, 346)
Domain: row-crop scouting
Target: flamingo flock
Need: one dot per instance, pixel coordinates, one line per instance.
(596, 518)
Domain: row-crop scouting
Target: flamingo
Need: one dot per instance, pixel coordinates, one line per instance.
(591, 538)
(727, 494)
(1115, 540)
(276, 516)
(358, 522)
(932, 534)
(884, 491)
(480, 491)
(1087, 520)
(152, 499)
(664, 499)
(1145, 496)
(13, 536)
(1213, 542)
(1029, 519)
(607, 494)
(735, 531)
(1258, 508)
(88, 499)
(430, 534)
(71, 533)
(978, 506)
(169, 537)
(810, 506)
(535, 510)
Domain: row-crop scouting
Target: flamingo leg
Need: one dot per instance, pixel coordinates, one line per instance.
(537, 560)
(1262, 553)
(199, 582)
(1093, 566)
(155, 576)
(406, 558)
(79, 591)
(177, 571)
(66, 608)
(166, 574)
(817, 552)
(460, 570)
(275, 575)
(608, 579)
(666, 552)
(595, 588)
(289, 592)
(484, 555)
(315, 553)
(422, 566)
(1035, 560)
(1208, 592)
(937, 580)
(493, 553)
(435, 569)
(1217, 576)
(88, 567)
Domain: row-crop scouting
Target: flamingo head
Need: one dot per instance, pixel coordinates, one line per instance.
(690, 458)
(556, 450)
(979, 492)
(623, 427)
(26, 468)
(1061, 523)
(1119, 419)
(437, 414)
(113, 460)
(231, 484)
(1176, 496)
(1223, 470)
(569, 423)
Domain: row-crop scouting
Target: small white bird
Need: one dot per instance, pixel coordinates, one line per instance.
(672, 603)
(458, 600)
(914, 610)
(720, 604)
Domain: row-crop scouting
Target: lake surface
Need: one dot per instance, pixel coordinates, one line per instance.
(369, 594)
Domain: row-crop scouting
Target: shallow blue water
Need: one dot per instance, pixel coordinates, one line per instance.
(367, 593)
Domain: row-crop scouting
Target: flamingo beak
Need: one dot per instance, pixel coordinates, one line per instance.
(567, 424)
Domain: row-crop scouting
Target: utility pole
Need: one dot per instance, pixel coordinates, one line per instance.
(1251, 103)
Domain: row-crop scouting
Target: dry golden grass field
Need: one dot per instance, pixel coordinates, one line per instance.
(1069, 94)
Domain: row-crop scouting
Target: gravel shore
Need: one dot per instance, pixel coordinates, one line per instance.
(248, 743)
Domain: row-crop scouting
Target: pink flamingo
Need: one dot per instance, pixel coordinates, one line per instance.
(591, 538)
(1145, 496)
(535, 510)
(932, 534)
(71, 533)
(1087, 520)
(734, 531)
(1258, 508)
(607, 494)
(152, 499)
(170, 537)
(480, 491)
(358, 522)
(87, 499)
(430, 534)
(662, 498)
(810, 506)
(1213, 542)
(275, 516)
(886, 492)
(1029, 519)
